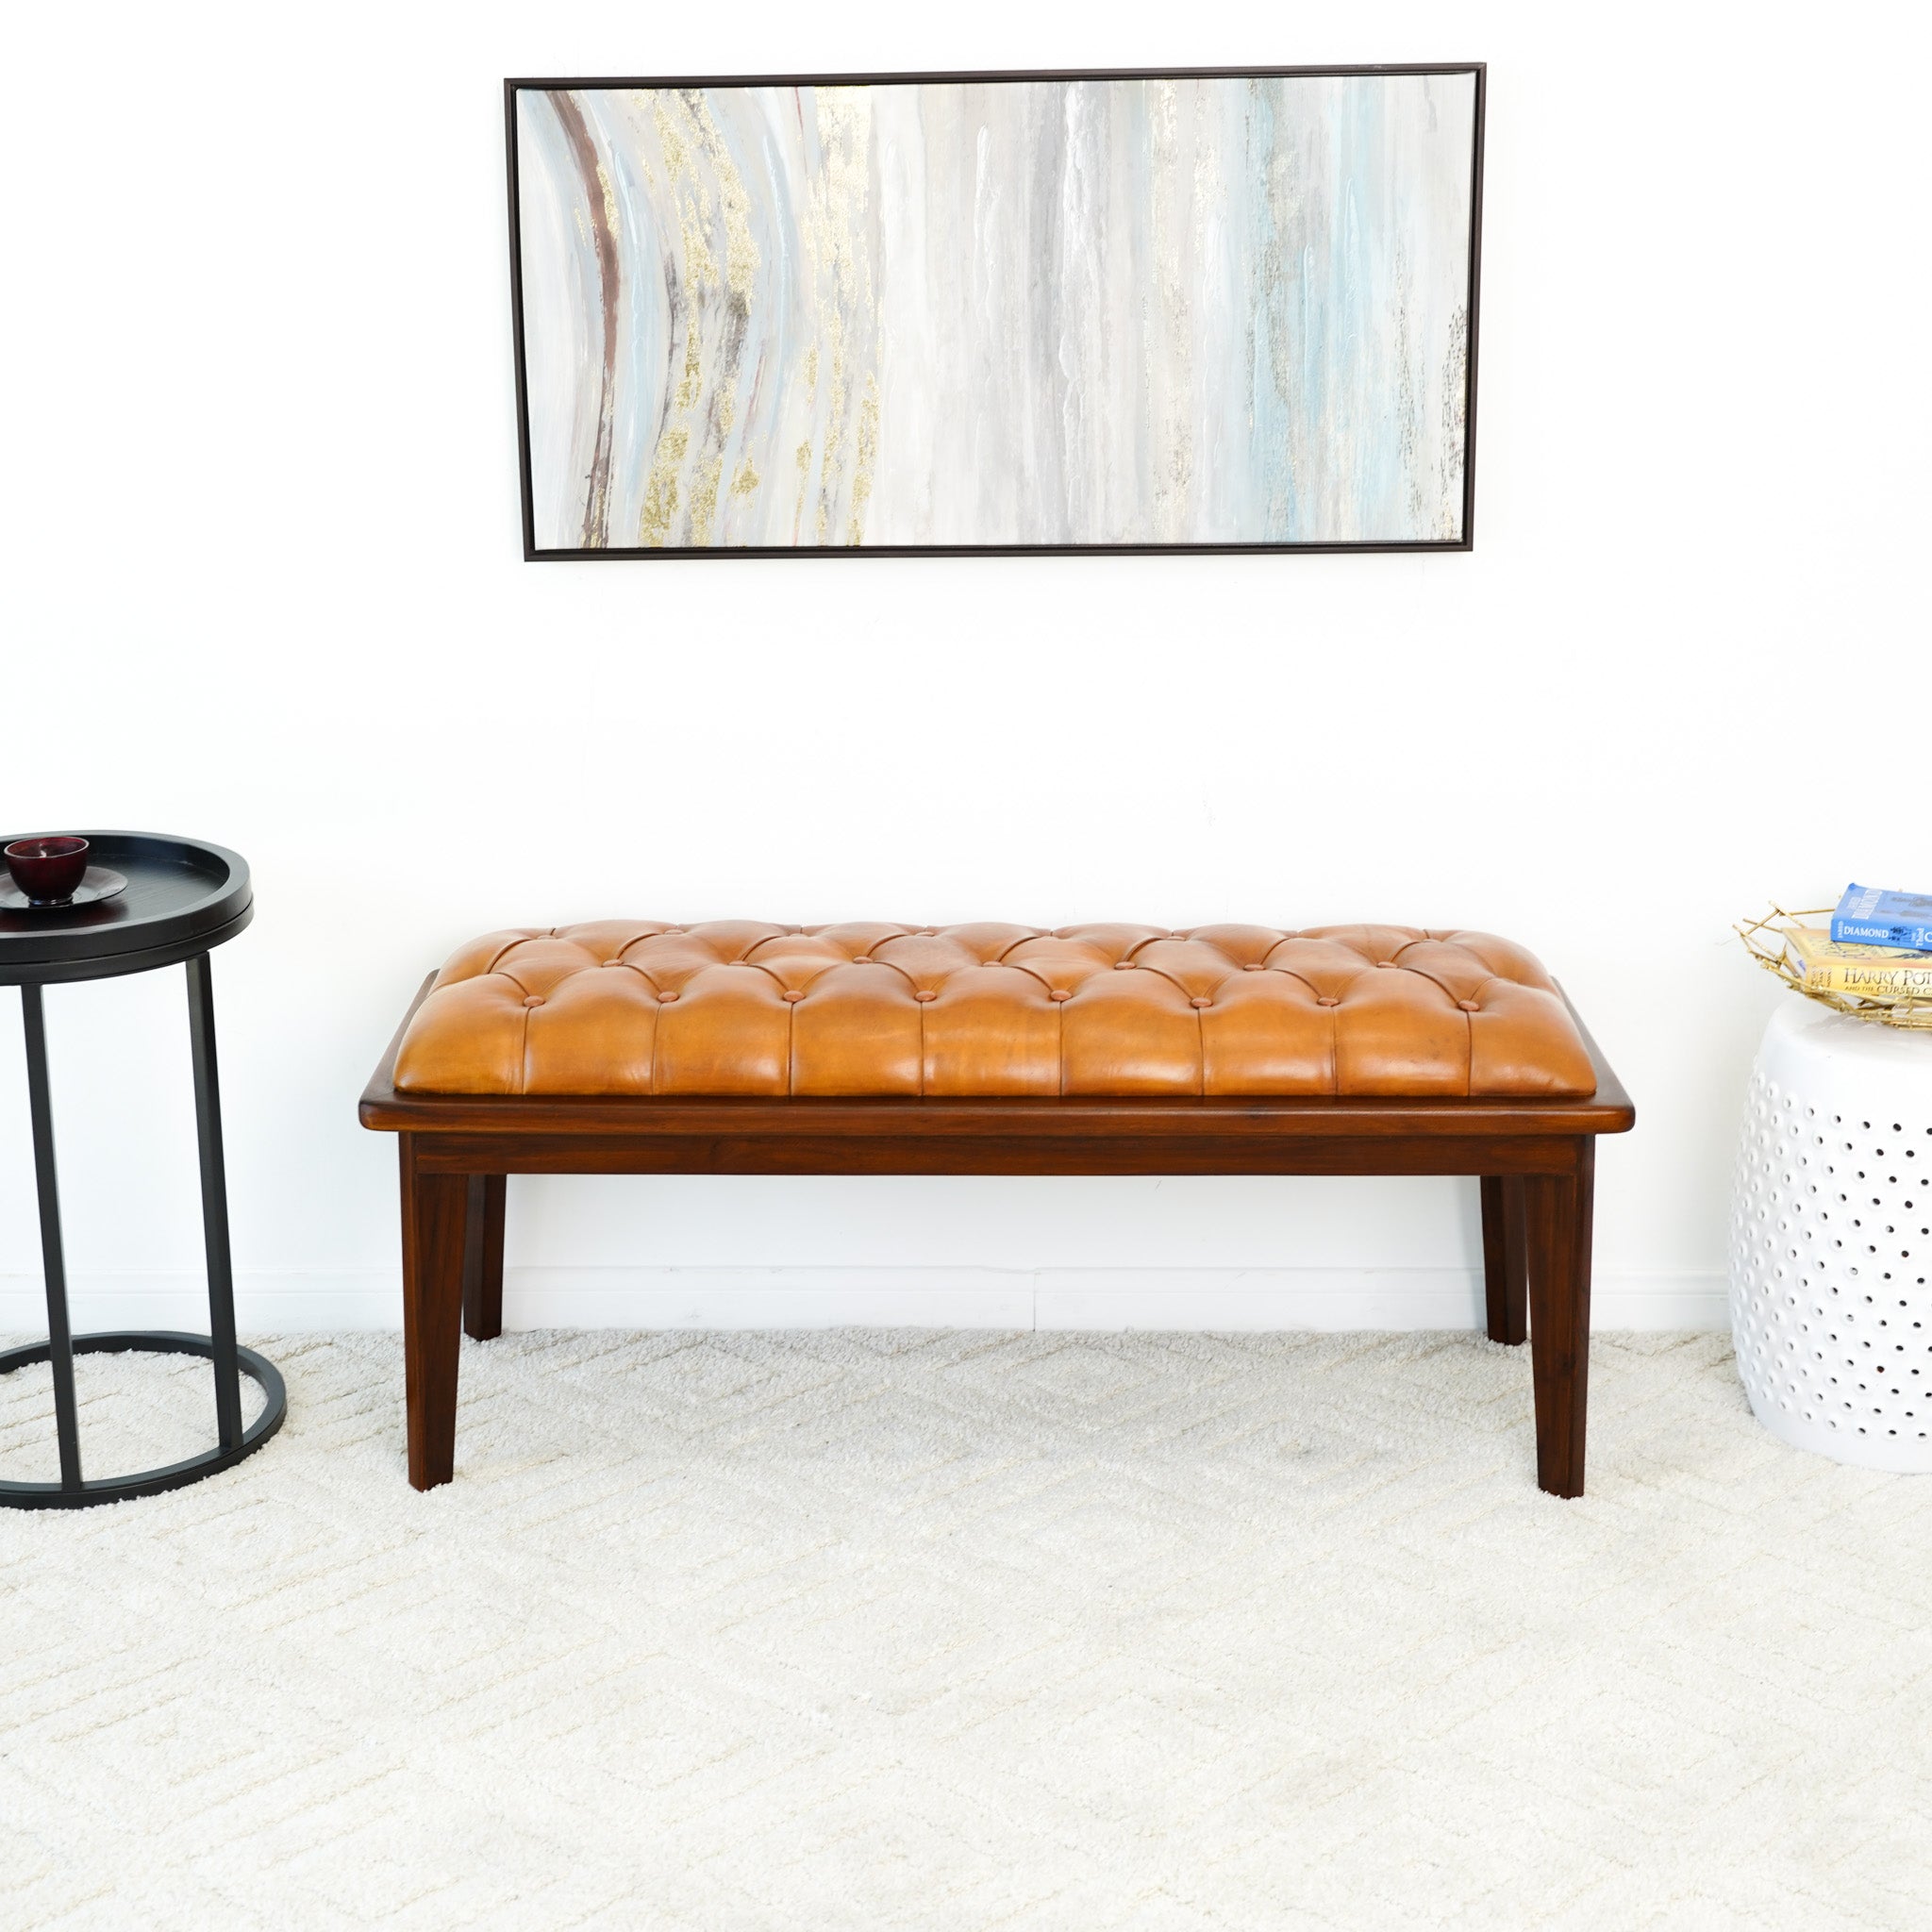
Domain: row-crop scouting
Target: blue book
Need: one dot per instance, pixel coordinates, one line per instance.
(1868, 916)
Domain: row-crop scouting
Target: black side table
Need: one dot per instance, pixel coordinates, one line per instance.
(183, 897)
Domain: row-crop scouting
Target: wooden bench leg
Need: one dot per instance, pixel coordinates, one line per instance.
(1505, 1276)
(433, 1218)
(1557, 1217)
(483, 1257)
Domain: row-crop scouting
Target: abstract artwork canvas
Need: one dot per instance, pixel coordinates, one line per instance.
(1226, 311)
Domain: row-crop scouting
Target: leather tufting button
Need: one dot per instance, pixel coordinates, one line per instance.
(1385, 963)
(535, 999)
(1059, 992)
(665, 998)
(1254, 966)
(1327, 999)
(1468, 1006)
(1122, 965)
(791, 998)
(924, 998)
(1202, 1003)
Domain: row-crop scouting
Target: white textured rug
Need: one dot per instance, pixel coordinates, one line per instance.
(890, 1628)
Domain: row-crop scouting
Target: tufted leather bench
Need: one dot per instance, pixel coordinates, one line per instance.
(734, 1047)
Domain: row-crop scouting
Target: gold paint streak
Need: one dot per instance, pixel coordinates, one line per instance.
(804, 460)
(704, 498)
(693, 386)
(718, 268)
(700, 264)
(661, 491)
(840, 361)
(643, 101)
(868, 449)
(676, 157)
(741, 247)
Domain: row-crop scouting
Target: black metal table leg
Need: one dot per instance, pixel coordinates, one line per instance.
(229, 1360)
(53, 1260)
(214, 1201)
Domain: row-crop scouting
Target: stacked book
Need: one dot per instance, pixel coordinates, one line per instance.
(1868, 917)
(1877, 947)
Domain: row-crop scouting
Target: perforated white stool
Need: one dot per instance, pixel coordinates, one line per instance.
(1831, 1239)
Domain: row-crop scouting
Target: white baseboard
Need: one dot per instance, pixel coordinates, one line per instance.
(1321, 1299)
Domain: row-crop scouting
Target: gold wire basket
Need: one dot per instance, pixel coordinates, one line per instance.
(1764, 940)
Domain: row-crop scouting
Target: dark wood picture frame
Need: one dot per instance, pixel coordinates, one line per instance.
(533, 552)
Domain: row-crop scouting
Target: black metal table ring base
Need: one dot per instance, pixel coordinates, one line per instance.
(149, 1482)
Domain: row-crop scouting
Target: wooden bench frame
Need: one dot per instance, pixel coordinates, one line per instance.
(1536, 1160)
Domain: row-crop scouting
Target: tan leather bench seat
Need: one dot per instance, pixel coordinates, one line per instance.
(633, 1007)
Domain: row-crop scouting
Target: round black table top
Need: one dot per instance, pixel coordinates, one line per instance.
(183, 896)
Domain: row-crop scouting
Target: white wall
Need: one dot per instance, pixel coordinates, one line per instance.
(263, 574)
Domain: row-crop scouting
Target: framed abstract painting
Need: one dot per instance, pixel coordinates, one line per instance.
(934, 314)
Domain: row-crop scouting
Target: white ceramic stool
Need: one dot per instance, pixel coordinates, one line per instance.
(1831, 1238)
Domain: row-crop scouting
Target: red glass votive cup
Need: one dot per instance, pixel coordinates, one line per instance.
(47, 870)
